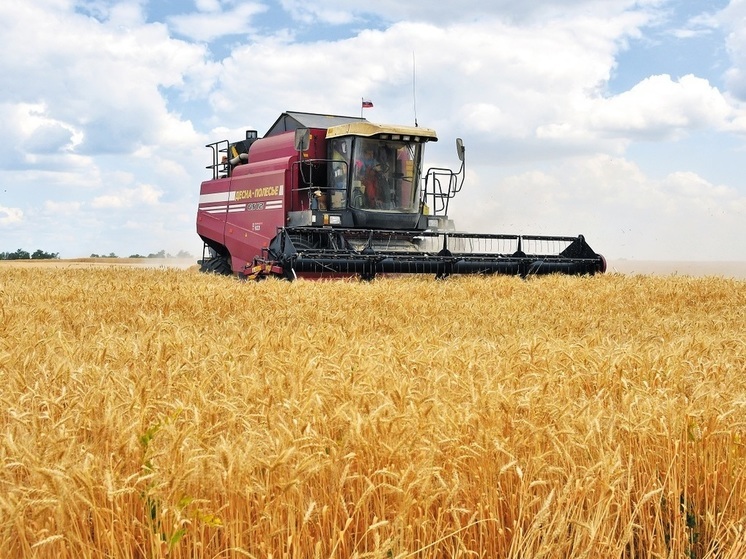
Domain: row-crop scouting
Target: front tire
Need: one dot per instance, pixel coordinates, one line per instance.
(220, 265)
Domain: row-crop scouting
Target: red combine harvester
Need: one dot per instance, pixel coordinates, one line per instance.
(333, 196)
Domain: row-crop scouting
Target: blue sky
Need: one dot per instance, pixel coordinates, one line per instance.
(622, 120)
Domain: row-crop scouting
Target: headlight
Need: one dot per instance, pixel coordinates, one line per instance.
(332, 219)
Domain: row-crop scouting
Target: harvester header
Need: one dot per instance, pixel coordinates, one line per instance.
(332, 196)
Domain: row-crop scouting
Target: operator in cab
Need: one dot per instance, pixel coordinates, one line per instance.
(368, 170)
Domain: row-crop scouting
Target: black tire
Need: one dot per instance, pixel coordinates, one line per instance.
(220, 265)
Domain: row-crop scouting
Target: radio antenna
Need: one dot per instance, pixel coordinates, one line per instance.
(414, 87)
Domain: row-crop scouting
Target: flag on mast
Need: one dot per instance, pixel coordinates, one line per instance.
(367, 104)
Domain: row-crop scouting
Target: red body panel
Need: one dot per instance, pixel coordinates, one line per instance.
(242, 213)
(212, 209)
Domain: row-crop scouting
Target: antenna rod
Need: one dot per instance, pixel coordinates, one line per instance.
(414, 86)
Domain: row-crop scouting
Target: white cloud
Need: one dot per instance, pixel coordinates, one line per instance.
(733, 20)
(102, 82)
(212, 23)
(700, 25)
(523, 76)
(37, 132)
(659, 107)
(208, 5)
(621, 211)
(122, 198)
(346, 11)
(10, 216)
(55, 208)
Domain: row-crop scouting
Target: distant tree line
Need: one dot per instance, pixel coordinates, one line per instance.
(159, 254)
(39, 254)
(21, 254)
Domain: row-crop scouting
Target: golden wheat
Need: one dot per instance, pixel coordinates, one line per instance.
(164, 413)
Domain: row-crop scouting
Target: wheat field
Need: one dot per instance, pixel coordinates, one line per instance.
(152, 413)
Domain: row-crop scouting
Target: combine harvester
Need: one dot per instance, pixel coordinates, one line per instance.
(334, 196)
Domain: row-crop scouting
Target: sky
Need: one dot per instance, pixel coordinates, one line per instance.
(621, 120)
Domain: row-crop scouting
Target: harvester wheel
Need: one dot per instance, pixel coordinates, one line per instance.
(220, 265)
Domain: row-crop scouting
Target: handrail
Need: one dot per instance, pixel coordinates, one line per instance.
(220, 168)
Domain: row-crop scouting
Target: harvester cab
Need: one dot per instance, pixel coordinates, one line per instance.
(371, 177)
(330, 196)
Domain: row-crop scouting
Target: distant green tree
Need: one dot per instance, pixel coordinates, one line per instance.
(183, 254)
(20, 254)
(41, 255)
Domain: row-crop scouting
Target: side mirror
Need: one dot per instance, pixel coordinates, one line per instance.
(460, 149)
(302, 139)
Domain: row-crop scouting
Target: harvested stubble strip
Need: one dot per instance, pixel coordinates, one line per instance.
(154, 412)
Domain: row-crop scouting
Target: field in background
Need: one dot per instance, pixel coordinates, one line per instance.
(732, 269)
(179, 263)
(165, 413)
(736, 270)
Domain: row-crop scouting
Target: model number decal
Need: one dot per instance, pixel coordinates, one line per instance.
(254, 206)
